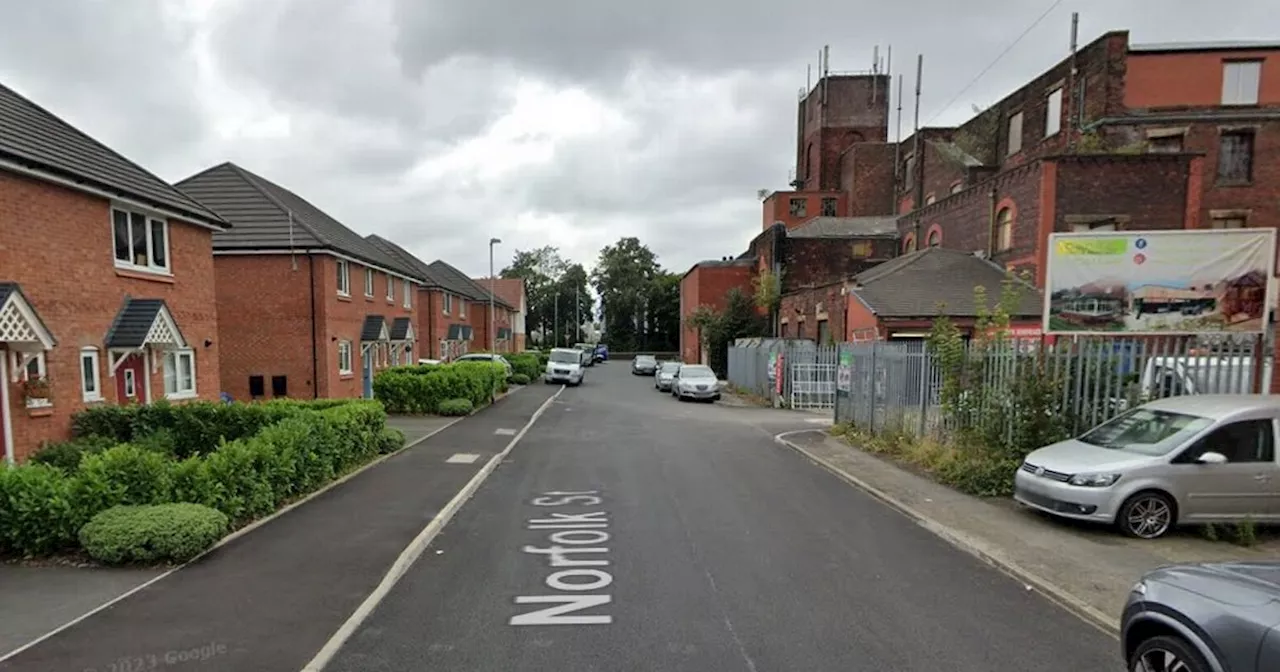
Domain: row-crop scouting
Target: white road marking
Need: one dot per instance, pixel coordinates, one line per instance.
(417, 546)
(463, 458)
(503, 431)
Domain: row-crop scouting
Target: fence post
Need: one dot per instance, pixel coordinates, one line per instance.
(926, 387)
(871, 421)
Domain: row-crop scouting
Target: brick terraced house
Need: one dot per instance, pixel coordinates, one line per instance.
(307, 308)
(454, 310)
(106, 281)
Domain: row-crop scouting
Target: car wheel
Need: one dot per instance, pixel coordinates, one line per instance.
(1147, 515)
(1167, 653)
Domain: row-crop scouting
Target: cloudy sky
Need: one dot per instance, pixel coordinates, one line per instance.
(441, 123)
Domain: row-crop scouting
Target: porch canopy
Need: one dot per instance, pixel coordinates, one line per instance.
(374, 330)
(141, 325)
(22, 331)
(402, 335)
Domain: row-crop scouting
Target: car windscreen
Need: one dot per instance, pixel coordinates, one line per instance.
(670, 367)
(691, 372)
(560, 357)
(1146, 431)
(646, 359)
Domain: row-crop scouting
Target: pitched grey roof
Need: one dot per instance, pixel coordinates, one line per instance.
(266, 216)
(914, 284)
(374, 329)
(35, 138)
(400, 328)
(12, 290)
(134, 321)
(406, 259)
(846, 227)
(457, 282)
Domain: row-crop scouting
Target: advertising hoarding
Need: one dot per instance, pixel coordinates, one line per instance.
(1159, 282)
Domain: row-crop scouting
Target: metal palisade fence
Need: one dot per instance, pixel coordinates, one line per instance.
(898, 385)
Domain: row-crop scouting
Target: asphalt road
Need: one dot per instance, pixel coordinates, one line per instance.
(699, 545)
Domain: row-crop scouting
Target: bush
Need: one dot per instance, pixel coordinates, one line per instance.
(66, 455)
(519, 379)
(527, 364)
(421, 389)
(391, 440)
(36, 512)
(456, 407)
(148, 534)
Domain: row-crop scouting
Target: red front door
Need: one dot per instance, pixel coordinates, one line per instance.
(129, 381)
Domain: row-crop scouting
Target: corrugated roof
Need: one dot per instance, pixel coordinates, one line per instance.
(914, 285)
(846, 227)
(35, 138)
(1219, 45)
(266, 216)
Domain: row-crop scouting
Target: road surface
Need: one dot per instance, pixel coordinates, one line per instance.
(629, 531)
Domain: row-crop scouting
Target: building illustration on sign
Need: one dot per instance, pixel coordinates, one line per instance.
(1159, 282)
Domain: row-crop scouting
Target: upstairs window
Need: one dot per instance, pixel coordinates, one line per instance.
(1168, 144)
(408, 302)
(1241, 81)
(391, 288)
(799, 207)
(829, 207)
(141, 242)
(344, 278)
(1235, 157)
(1053, 113)
(1015, 134)
(447, 304)
(1004, 228)
(368, 282)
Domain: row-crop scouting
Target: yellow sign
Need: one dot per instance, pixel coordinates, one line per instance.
(1092, 246)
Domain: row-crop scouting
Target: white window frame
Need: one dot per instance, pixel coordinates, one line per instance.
(368, 282)
(344, 278)
(1015, 134)
(1053, 113)
(172, 370)
(152, 223)
(447, 304)
(391, 287)
(1004, 230)
(1241, 82)
(1232, 222)
(90, 357)
(408, 294)
(344, 353)
(462, 309)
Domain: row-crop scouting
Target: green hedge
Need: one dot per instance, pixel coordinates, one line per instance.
(527, 364)
(519, 379)
(148, 534)
(421, 389)
(456, 407)
(43, 506)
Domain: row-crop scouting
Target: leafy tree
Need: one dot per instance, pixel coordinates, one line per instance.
(571, 283)
(663, 318)
(549, 283)
(623, 277)
(718, 329)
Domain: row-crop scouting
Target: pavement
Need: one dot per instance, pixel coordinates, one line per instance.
(630, 531)
(1087, 569)
(270, 599)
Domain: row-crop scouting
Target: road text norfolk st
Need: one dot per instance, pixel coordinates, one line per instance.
(575, 548)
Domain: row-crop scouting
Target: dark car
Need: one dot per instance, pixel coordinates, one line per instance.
(602, 352)
(1204, 618)
(644, 365)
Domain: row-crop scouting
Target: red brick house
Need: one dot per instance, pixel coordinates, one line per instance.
(112, 302)
(454, 315)
(307, 307)
(511, 290)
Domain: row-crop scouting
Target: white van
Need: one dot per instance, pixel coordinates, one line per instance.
(564, 365)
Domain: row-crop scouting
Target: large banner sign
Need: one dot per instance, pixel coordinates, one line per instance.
(1160, 282)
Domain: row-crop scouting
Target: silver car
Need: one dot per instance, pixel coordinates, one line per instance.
(1204, 618)
(1191, 459)
(666, 376)
(695, 381)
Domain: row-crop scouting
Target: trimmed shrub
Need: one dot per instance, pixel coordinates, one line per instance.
(36, 512)
(421, 389)
(149, 534)
(66, 455)
(390, 440)
(527, 364)
(519, 379)
(456, 407)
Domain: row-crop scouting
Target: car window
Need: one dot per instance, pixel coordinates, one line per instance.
(696, 372)
(561, 357)
(1145, 430)
(1244, 441)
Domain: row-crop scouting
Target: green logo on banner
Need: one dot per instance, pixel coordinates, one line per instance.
(1107, 245)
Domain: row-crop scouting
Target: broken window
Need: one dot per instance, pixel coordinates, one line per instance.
(798, 208)
(1235, 156)
(1169, 144)
(829, 207)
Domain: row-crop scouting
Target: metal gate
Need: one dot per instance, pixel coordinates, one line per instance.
(813, 386)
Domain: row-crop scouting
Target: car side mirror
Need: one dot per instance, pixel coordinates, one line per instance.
(1211, 457)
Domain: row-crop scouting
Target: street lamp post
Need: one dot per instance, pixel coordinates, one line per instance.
(493, 336)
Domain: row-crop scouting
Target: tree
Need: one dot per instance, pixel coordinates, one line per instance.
(663, 302)
(719, 329)
(571, 283)
(623, 277)
(541, 270)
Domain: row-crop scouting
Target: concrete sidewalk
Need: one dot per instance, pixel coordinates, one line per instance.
(270, 599)
(1086, 569)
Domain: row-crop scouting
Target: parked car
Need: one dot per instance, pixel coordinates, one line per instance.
(429, 362)
(588, 353)
(564, 365)
(487, 357)
(644, 365)
(602, 352)
(695, 381)
(1204, 618)
(665, 376)
(1182, 460)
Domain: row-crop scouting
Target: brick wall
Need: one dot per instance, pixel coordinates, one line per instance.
(777, 207)
(1150, 190)
(57, 244)
(343, 319)
(866, 175)
(860, 322)
(1178, 80)
(708, 284)
(813, 306)
(809, 262)
(964, 219)
(856, 110)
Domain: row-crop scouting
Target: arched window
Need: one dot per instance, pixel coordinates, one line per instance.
(934, 238)
(1004, 228)
(909, 243)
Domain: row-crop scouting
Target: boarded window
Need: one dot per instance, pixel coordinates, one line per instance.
(829, 207)
(1015, 134)
(257, 386)
(798, 208)
(1235, 157)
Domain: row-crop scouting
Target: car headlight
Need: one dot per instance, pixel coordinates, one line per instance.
(1094, 480)
(1139, 588)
